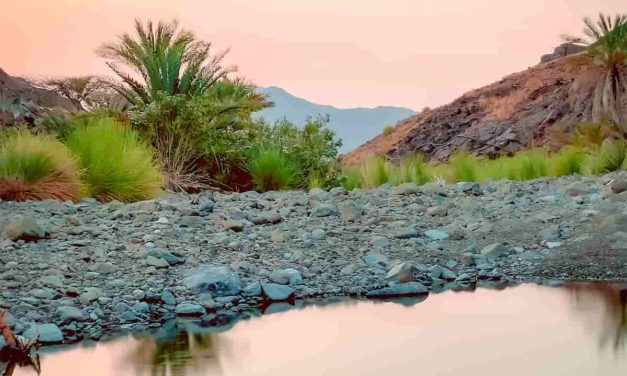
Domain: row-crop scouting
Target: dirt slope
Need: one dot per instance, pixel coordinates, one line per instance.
(504, 117)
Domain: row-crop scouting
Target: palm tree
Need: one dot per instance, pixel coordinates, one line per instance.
(162, 58)
(606, 42)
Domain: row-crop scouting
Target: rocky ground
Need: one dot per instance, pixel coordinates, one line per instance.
(80, 271)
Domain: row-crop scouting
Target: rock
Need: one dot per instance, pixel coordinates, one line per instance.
(141, 307)
(437, 211)
(494, 250)
(463, 278)
(550, 233)
(191, 221)
(104, 268)
(407, 233)
(266, 218)
(401, 273)
(252, 289)
(91, 294)
(318, 234)
(157, 262)
(562, 50)
(276, 292)
(172, 258)
(23, 227)
(406, 189)
(323, 210)
(375, 259)
(206, 207)
(286, 276)
(467, 259)
(618, 185)
(69, 313)
(48, 333)
(399, 290)
(167, 297)
(219, 281)
(350, 212)
(120, 308)
(436, 235)
(454, 231)
(189, 309)
(448, 274)
(577, 189)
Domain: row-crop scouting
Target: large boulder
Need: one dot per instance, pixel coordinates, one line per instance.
(219, 281)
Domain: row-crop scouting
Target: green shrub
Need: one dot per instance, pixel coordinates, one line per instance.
(36, 168)
(609, 157)
(526, 165)
(314, 182)
(412, 169)
(568, 161)
(272, 170)
(388, 130)
(114, 163)
(352, 179)
(464, 167)
(376, 172)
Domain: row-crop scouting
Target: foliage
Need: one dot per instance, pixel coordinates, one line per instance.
(352, 179)
(464, 167)
(568, 161)
(388, 130)
(90, 93)
(167, 60)
(585, 134)
(609, 157)
(272, 169)
(526, 165)
(606, 41)
(410, 169)
(375, 172)
(114, 163)
(36, 168)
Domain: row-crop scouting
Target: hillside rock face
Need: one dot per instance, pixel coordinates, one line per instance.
(20, 101)
(502, 118)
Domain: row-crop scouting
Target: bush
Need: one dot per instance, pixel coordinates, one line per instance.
(411, 169)
(526, 165)
(609, 157)
(388, 130)
(272, 170)
(464, 167)
(375, 172)
(352, 179)
(568, 161)
(36, 168)
(114, 163)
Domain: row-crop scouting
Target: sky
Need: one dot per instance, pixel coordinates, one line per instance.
(346, 53)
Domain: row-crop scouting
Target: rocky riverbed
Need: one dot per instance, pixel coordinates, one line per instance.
(80, 271)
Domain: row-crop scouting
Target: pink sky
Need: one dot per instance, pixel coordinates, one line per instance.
(340, 52)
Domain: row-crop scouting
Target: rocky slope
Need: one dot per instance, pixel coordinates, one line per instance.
(20, 101)
(504, 117)
(82, 270)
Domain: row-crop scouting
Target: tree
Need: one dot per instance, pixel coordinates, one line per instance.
(91, 93)
(164, 59)
(606, 42)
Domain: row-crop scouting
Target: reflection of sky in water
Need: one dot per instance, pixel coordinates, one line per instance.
(527, 330)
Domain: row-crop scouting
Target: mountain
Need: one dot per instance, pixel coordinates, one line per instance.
(518, 112)
(20, 101)
(353, 126)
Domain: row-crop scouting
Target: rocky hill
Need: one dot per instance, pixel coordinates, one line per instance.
(502, 118)
(20, 101)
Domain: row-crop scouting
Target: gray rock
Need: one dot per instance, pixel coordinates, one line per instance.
(467, 259)
(69, 313)
(401, 273)
(206, 207)
(276, 292)
(494, 250)
(350, 212)
(172, 258)
(266, 218)
(48, 333)
(436, 235)
(437, 211)
(23, 227)
(406, 189)
(618, 185)
(120, 307)
(167, 297)
(550, 233)
(252, 289)
(323, 210)
(219, 281)
(399, 290)
(141, 307)
(191, 221)
(375, 259)
(189, 309)
(104, 268)
(157, 262)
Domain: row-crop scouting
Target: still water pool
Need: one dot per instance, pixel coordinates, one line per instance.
(524, 330)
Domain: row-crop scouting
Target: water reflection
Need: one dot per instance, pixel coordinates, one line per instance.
(579, 329)
(604, 308)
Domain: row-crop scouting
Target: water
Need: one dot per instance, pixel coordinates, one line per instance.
(526, 330)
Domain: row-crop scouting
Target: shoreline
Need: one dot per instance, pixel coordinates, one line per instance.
(90, 269)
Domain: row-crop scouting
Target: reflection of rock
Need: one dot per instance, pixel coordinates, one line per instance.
(613, 298)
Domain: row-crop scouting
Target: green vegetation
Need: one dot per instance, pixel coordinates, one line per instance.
(464, 167)
(388, 130)
(272, 169)
(36, 168)
(114, 163)
(375, 172)
(606, 42)
(568, 161)
(352, 179)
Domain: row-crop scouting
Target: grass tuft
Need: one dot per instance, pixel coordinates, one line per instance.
(464, 167)
(36, 168)
(114, 163)
(376, 172)
(271, 169)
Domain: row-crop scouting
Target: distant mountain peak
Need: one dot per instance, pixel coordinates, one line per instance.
(353, 126)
